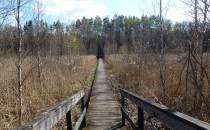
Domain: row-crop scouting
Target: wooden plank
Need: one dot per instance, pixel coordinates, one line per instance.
(80, 121)
(49, 118)
(103, 111)
(173, 119)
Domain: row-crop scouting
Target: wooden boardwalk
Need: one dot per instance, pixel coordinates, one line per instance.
(104, 111)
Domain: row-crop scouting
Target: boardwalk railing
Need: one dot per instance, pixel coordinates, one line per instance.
(49, 118)
(172, 119)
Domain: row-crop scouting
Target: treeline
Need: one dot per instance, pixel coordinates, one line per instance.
(129, 34)
(50, 39)
(90, 35)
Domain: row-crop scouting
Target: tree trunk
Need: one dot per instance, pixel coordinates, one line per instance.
(162, 64)
(38, 42)
(19, 67)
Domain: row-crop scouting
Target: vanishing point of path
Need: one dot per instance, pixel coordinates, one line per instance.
(104, 111)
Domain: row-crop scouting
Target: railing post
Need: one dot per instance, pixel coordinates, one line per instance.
(82, 109)
(140, 119)
(68, 120)
(82, 104)
(123, 107)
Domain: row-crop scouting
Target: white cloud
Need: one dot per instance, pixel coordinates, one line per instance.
(175, 10)
(67, 10)
(178, 11)
(73, 9)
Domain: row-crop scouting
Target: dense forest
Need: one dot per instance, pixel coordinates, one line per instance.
(121, 34)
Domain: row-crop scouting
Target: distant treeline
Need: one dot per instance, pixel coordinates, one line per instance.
(53, 39)
(120, 34)
(129, 34)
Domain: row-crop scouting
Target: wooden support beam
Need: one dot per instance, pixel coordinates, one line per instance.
(140, 121)
(79, 123)
(126, 116)
(123, 107)
(68, 120)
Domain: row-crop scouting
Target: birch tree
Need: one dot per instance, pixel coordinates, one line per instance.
(19, 65)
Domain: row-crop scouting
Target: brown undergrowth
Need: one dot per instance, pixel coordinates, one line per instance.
(141, 75)
(60, 77)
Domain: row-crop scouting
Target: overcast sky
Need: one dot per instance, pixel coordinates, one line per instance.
(69, 10)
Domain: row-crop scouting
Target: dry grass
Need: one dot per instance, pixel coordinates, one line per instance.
(59, 78)
(144, 78)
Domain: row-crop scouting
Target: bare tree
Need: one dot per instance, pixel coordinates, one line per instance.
(6, 9)
(162, 62)
(196, 69)
(19, 65)
(38, 36)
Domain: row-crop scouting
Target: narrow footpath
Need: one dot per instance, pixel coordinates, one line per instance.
(104, 111)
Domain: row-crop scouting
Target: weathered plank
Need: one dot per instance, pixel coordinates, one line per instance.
(80, 121)
(103, 111)
(173, 119)
(49, 118)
